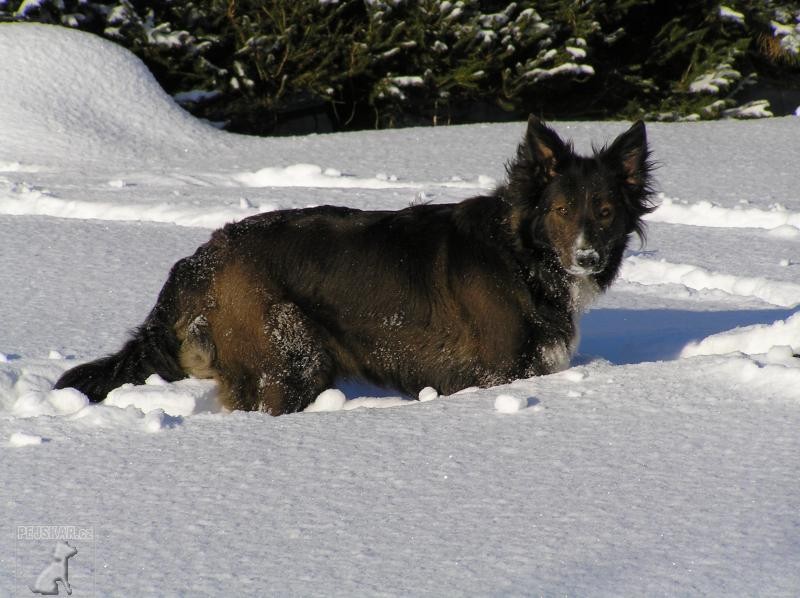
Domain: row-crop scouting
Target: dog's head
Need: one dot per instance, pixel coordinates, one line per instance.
(583, 208)
(64, 550)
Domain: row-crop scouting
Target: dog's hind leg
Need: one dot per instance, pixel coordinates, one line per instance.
(279, 368)
(266, 354)
(299, 364)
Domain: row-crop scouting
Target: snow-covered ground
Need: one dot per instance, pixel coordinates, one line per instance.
(666, 461)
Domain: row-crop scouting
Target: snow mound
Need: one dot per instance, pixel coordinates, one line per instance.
(181, 398)
(70, 404)
(85, 99)
(105, 416)
(428, 394)
(21, 439)
(509, 404)
(55, 402)
(334, 399)
(752, 340)
(765, 377)
(26, 393)
(329, 400)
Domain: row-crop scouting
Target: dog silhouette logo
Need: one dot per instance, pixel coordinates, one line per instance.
(57, 570)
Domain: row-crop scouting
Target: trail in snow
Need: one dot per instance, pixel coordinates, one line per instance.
(22, 198)
(652, 272)
(752, 340)
(777, 217)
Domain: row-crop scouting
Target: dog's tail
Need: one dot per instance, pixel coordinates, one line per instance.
(152, 349)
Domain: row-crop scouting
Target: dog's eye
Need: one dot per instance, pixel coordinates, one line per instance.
(605, 212)
(562, 211)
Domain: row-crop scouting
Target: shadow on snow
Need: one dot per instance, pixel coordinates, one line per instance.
(625, 336)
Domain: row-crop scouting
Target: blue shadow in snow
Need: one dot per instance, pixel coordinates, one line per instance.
(354, 389)
(634, 336)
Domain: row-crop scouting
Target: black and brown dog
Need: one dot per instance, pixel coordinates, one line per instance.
(278, 306)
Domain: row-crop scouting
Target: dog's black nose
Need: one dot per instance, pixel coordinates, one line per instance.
(588, 259)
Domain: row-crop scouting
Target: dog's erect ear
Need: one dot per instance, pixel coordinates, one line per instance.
(629, 152)
(545, 146)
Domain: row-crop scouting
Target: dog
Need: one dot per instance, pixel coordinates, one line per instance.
(278, 306)
(57, 570)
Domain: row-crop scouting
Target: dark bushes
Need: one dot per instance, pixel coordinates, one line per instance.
(270, 66)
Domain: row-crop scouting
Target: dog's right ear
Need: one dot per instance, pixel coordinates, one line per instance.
(545, 146)
(629, 152)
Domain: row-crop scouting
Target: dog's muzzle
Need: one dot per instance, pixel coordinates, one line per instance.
(586, 261)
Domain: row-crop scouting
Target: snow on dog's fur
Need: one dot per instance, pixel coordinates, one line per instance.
(278, 306)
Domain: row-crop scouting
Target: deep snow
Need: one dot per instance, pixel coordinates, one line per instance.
(665, 461)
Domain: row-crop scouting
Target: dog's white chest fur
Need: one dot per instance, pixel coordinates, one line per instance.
(583, 292)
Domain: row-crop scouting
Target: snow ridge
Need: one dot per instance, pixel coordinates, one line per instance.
(705, 213)
(752, 340)
(652, 272)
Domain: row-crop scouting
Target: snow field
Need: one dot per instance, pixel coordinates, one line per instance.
(664, 461)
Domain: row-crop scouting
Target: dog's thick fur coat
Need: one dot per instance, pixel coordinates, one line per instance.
(280, 305)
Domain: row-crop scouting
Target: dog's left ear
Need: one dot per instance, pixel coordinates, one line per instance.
(629, 152)
(545, 147)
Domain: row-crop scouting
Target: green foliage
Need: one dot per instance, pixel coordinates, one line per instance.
(255, 65)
